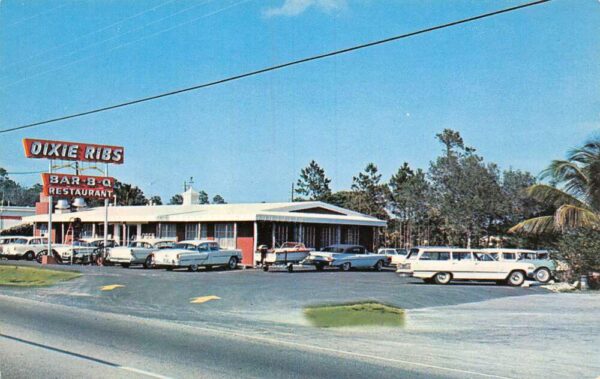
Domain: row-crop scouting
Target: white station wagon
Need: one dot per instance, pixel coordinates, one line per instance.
(195, 253)
(442, 265)
(138, 252)
(24, 248)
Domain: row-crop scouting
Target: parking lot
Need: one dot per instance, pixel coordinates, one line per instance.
(556, 331)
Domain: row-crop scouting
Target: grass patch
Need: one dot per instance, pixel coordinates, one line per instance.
(19, 276)
(358, 314)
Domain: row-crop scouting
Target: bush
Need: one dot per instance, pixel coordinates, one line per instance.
(581, 250)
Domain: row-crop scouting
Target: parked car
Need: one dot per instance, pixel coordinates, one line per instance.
(5, 240)
(24, 248)
(76, 252)
(138, 252)
(442, 265)
(195, 253)
(545, 268)
(345, 257)
(395, 254)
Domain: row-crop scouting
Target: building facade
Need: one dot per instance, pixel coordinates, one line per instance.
(241, 226)
(11, 216)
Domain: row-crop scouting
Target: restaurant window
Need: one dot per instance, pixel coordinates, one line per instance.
(304, 234)
(281, 234)
(224, 235)
(329, 236)
(191, 231)
(353, 235)
(167, 230)
(203, 231)
(86, 230)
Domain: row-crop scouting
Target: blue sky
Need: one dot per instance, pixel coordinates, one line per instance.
(521, 87)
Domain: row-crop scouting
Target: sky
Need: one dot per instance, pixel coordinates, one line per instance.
(522, 88)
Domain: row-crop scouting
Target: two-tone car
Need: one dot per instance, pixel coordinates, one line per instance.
(545, 268)
(138, 252)
(193, 254)
(345, 257)
(395, 255)
(24, 248)
(442, 265)
(5, 240)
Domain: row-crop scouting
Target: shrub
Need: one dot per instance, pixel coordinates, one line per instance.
(581, 250)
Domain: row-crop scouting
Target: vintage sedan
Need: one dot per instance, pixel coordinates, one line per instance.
(76, 252)
(345, 257)
(24, 248)
(442, 265)
(395, 254)
(545, 268)
(138, 252)
(195, 253)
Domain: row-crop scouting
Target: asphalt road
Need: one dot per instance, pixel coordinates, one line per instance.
(256, 328)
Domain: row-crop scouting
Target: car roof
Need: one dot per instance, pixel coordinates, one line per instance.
(344, 245)
(197, 242)
(447, 248)
(507, 250)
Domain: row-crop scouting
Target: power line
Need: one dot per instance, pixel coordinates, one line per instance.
(25, 173)
(96, 31)
(161, 31)
(87, 47)
(277, 67)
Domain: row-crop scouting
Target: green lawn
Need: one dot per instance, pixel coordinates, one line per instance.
(360, 314)
(20, 276)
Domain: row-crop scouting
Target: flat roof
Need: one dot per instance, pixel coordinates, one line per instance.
(305, 212)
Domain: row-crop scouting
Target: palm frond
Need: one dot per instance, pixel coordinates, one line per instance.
(568, 173)
(536, 225)
(552, 196)
(572, 217)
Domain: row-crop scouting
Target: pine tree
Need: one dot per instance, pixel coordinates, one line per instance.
(313, 183)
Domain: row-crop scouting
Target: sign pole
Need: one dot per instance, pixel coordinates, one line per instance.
(105, 218)
(50, 217)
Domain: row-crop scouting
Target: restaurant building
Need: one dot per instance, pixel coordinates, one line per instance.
(242, 226)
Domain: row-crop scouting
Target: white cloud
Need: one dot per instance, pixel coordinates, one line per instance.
(295, 7)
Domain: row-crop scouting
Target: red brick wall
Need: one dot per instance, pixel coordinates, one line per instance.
(246, 244)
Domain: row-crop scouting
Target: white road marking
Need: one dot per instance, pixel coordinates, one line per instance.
(351, 353)
(263, 339)
(138, 371)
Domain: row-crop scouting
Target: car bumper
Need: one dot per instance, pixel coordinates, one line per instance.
(119, 259)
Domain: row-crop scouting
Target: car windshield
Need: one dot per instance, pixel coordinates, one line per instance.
(185, 246)
(413, 254)
(333, 249)
(401, 251)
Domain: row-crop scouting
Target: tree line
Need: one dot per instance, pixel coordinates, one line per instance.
(460, 200)
(15, 194)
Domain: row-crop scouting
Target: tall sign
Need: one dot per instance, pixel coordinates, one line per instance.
(91, 187)
(67, 186)
(73, 151)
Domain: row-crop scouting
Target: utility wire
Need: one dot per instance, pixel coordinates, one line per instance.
(79, 38)
(277, 67)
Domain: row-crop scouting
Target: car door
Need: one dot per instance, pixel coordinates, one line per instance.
(203, 254)
(486, 267)
(358, 257)
(463, 265)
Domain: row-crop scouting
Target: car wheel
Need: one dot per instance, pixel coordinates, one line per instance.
(125, 265)
(193, 268)
(319, 267)
(378, 266)
(30, 255)
(39, 256)
(290, 268)
(442, 278)
(232, 264)
(346, 266)
(516, 278)
(149, 262)
(169, 268)
(543, 275)
(265, 268)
